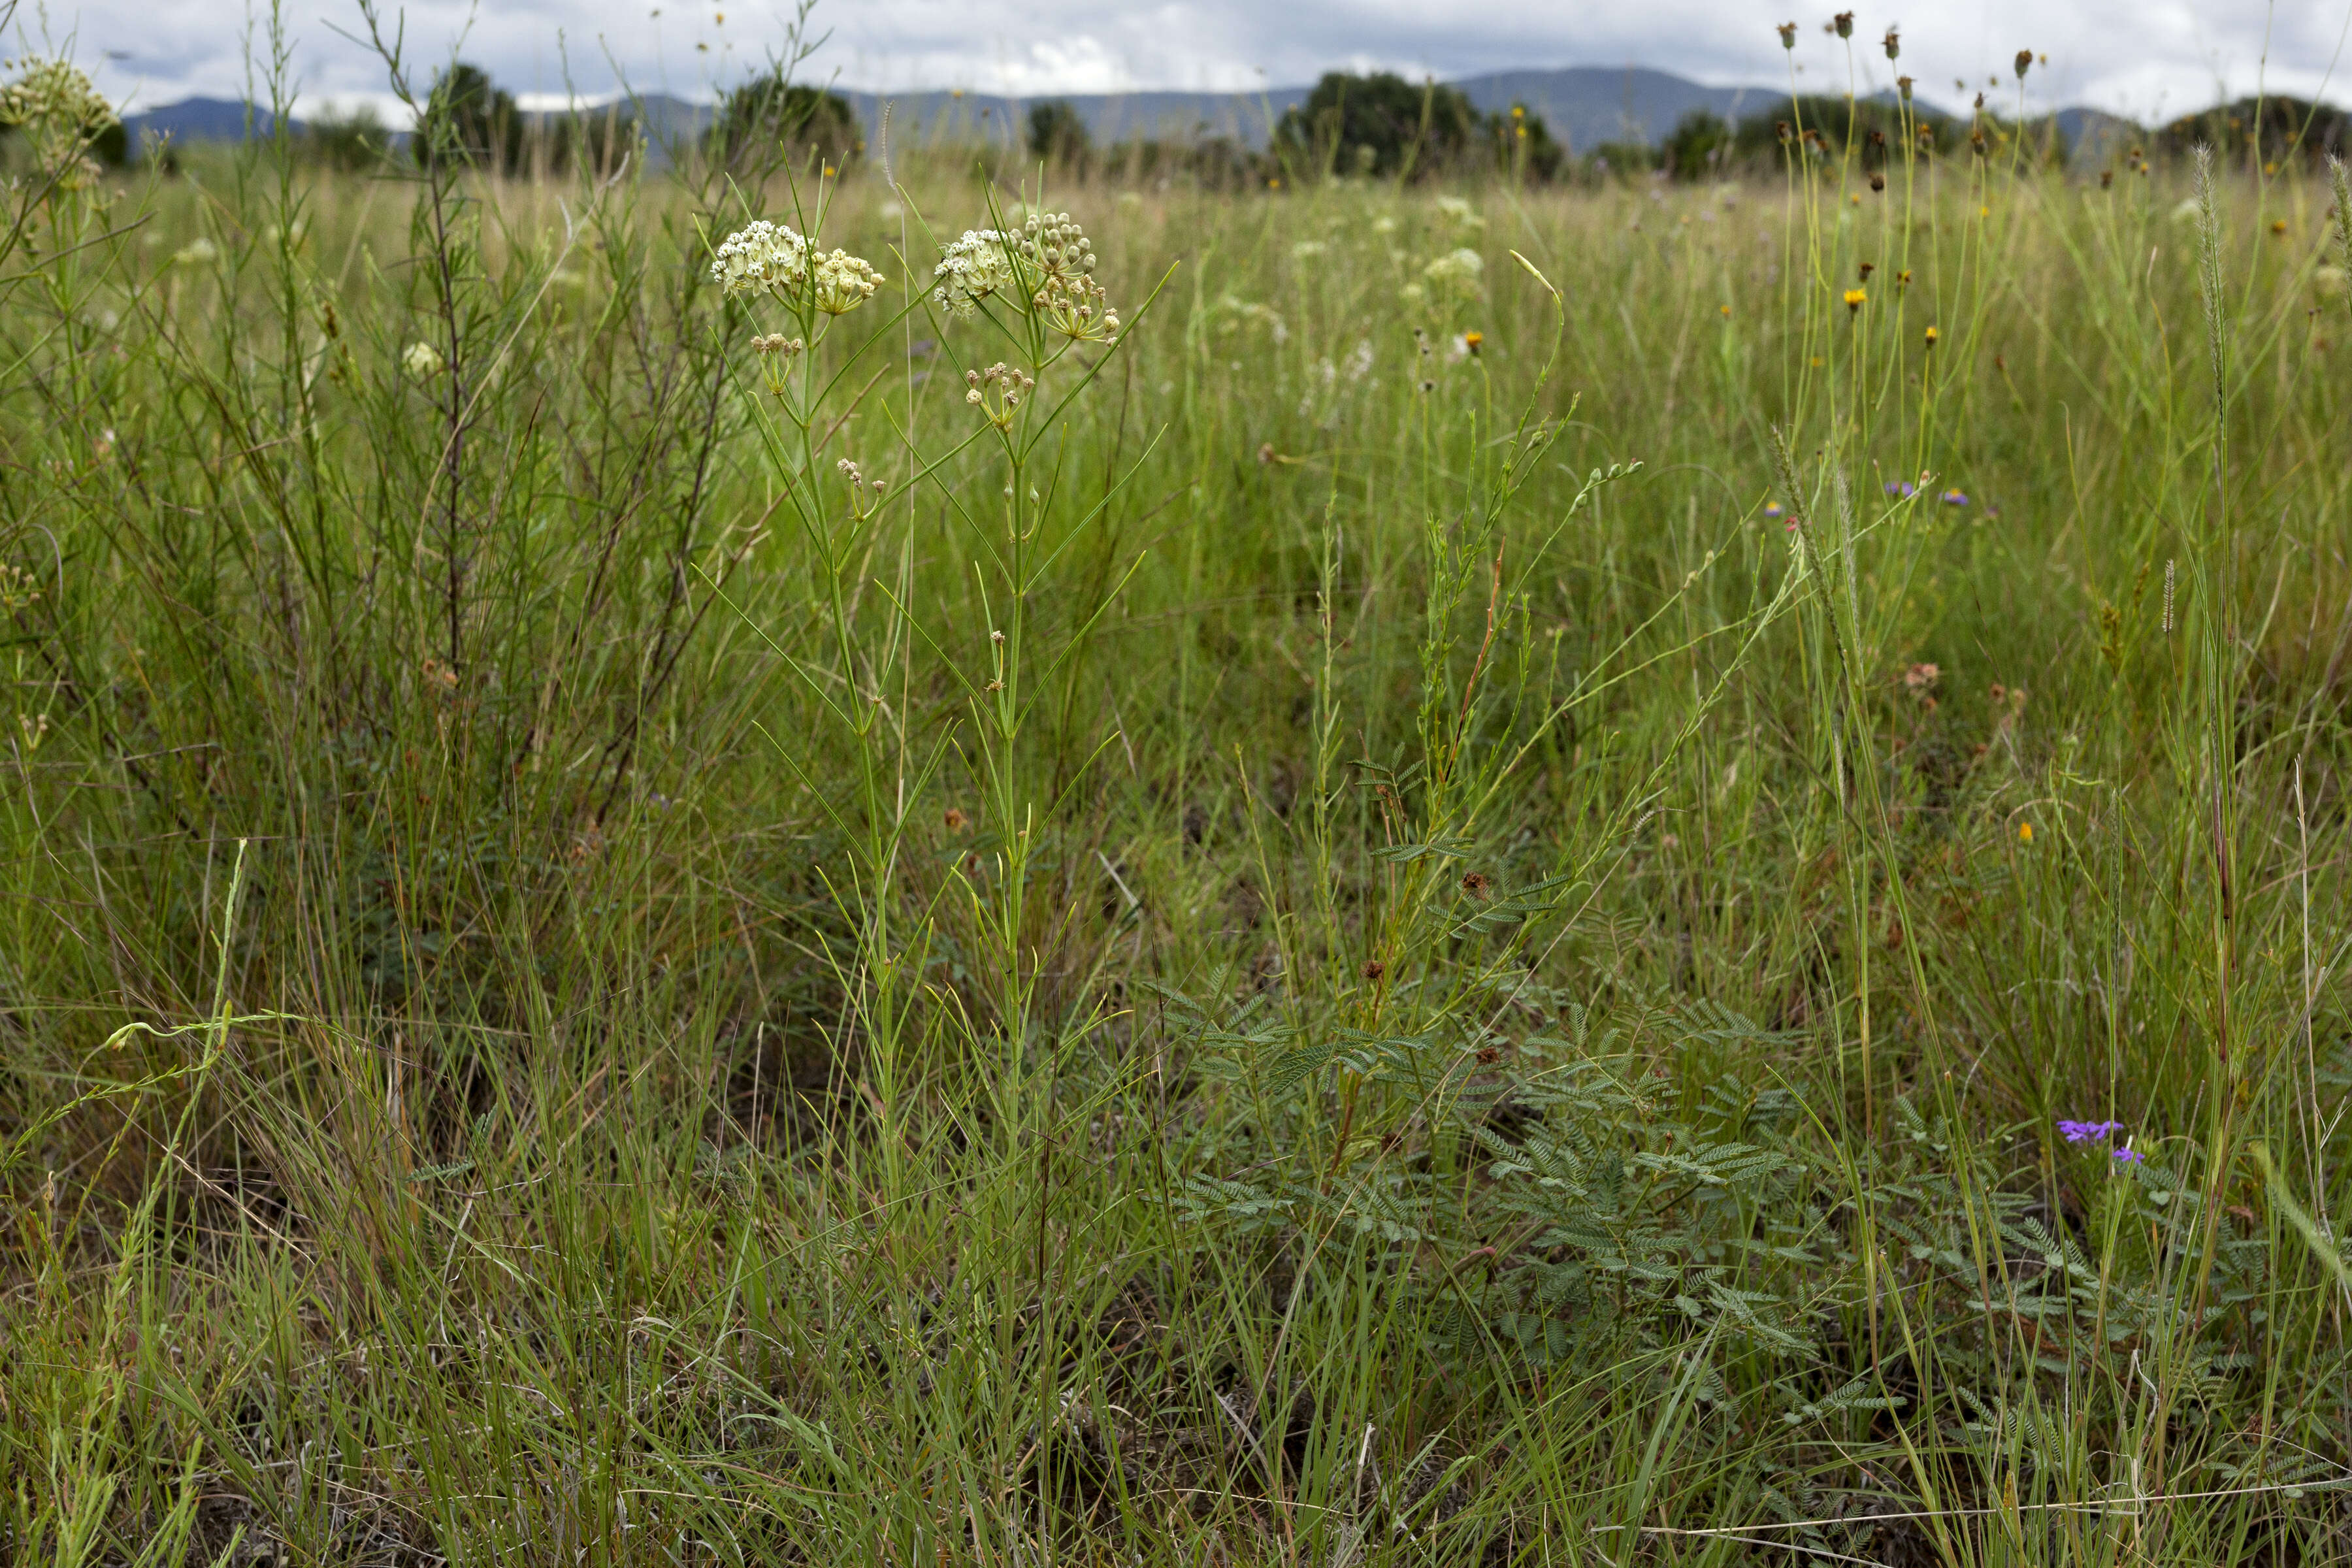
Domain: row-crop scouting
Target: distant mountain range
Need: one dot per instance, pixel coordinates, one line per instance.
(1584, 105)
(202, 120)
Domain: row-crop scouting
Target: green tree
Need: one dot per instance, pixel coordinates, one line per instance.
(349, 139)
(1058, 135)
(1524, 144)
(469, 117)
(770, 118)
(1699, 147)
(1622, 158)
(1876, 125)
(2262, 130)
(1380, 125)
(603, 137)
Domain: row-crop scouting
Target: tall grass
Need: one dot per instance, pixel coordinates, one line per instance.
(1496, 983)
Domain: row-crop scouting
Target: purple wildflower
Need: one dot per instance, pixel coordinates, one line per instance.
(2088, 1132)
(1953, 497)
(1902, 488)
(1772, 509)
(2130, 1156)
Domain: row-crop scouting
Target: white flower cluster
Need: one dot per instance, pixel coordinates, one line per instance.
(971, 269)
(1055, 245)
(1049, 256)
(61, 113)
(762, 257)
(1458, 272)
(1454, 209)
(843, 283)
(1067, 299)
(422, 361)
(52, 96)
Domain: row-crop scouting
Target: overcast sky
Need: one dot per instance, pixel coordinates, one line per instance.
(2148, 58)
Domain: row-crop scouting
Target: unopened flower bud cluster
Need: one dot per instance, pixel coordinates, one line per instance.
(776, 353)
(865, 494)
(1055, 245)
(843, 283)
(997, 391)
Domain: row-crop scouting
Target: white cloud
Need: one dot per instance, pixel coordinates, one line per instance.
(2145, 57)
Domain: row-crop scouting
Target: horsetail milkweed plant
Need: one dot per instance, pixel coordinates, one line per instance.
(776, 888)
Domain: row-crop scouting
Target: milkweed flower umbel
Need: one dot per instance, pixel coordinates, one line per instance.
(843, 283)
(1458, 272)
(997, 392)
(761, 257)
(61, 114)
(971, 269)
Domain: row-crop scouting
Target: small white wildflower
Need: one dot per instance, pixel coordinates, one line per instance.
(1455, 273)
(1459, 212)
(762, 257)
(971, 269)
(1384, 224)
(61, 113)
(1360, 364)
(422, 361)
(843, 283)
(197, 252)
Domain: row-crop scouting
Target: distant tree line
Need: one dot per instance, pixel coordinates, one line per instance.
(469, 121)
(1376, 126)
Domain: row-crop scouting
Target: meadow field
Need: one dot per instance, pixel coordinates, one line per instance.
(1640, 873)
